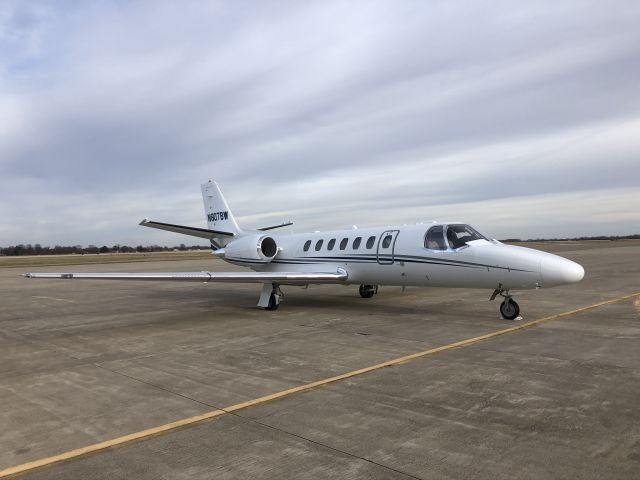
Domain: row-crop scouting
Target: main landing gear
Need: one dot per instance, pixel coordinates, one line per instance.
(509, 309)
(270, 296)
(368, 291)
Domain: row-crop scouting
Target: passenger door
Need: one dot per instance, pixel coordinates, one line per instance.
(386, 247)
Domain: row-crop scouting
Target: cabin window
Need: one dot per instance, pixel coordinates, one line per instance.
(307, 244)
(319, 245)
(370, 241)
(356, 243)
(459, 235)
(343, 243)
(434, 239)
(386, 241)
(331, 243)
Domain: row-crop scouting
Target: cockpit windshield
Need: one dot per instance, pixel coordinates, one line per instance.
(457, 236)
(460, 235)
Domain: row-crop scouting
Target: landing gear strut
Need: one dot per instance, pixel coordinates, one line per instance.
(368, 291)
(509, 309)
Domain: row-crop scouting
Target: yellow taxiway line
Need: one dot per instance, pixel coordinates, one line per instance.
(143, 434)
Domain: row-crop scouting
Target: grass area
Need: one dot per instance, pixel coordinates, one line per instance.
(102, 258)
(558, 246)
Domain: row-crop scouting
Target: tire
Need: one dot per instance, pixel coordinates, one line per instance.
(509, 309)
(273, 303)
(367, 291)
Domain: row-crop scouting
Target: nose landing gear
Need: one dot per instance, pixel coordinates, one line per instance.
(509, 309)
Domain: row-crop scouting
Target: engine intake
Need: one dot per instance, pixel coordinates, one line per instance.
(268, 247)
(256, 248)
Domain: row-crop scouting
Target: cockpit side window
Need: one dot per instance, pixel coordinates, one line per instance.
(434, 239)
(459, 236)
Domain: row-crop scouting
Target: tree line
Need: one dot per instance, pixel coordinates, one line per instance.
(37, 249)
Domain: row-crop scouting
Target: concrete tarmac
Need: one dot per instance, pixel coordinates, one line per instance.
(82, 362)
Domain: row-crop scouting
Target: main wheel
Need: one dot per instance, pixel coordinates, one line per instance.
(273, 303)
(367, 291)
(509, 309)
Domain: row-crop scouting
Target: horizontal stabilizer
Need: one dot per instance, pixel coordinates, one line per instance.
(192, 231)
(231, 277)
(285, 224)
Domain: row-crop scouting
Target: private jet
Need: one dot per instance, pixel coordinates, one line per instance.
(438, 254)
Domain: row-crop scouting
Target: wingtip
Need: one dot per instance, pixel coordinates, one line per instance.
(144, 221)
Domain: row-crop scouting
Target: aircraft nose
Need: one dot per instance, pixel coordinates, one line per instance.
(559, 271)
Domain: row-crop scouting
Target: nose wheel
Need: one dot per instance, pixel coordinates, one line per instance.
(509, 309)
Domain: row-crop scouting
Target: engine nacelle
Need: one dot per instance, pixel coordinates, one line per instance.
(256, 248)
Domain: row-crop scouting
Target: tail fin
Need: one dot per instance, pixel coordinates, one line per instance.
(219, 216)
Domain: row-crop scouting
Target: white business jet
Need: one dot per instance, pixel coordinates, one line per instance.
(440, 254)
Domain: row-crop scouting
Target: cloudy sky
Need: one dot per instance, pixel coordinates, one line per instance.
(521, 118)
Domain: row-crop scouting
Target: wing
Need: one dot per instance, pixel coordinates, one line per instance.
(302, 278)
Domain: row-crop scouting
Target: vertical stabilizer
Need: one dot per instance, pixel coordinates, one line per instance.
(219, 216)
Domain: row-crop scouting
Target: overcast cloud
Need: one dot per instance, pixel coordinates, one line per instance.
(522, 118)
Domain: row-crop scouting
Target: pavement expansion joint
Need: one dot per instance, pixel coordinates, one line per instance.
(172, 392)
(323, 445)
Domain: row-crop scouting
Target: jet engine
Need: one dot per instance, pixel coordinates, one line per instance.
(252, 248)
